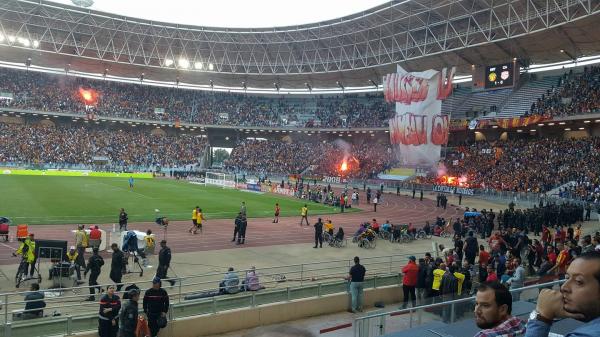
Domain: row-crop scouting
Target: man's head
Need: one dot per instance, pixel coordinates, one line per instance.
(581, 291)
(412, 258)
(442, 266)
(122, 209)
(31, 236)
(95, 250)
(356, 260)
(35, 287)
(114, 247)
(156, 282)
(163, 243)
(134, 295)
(110, 290)
(493, 305)
(490, 269)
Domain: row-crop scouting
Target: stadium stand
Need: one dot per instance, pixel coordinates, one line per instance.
(578, 94)
(59, 93)
(368, 159)
(71, 145)
(514, 165)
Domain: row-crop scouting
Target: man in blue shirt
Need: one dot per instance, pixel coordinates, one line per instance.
(578, 298)
(131, 182)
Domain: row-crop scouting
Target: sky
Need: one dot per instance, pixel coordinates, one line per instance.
(234, 13)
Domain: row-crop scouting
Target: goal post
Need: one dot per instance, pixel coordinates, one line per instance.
(220, 179)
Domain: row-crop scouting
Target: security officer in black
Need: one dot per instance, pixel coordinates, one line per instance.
(128, 317)
(94, 265)
(164, 262)
(319, 234)
(117, 265)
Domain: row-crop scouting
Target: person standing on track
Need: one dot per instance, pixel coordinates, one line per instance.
(123, 220)
(164, 262)
(94, 266)
(277, 210)
(194, 219)
(130, 183)
(27, 250)
(82, 241)
(375, 201)
(304, 214)
(318, 234)
(237, 225)
(116, 266)
(242, 230)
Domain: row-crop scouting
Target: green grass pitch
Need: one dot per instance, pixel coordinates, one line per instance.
(69, 200)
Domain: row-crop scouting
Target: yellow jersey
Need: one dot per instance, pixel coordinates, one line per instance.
(194, 214)
(461, 279)
(328, 226)
(437, 279)
(304, 211)
(199, 218)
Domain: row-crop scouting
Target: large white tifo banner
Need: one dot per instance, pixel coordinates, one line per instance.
(418, 129)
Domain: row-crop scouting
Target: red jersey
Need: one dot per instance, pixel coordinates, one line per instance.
(492, 277)
(484, 257)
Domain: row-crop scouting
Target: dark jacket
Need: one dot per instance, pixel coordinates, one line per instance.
(123, 218)
(35, 300)
(318, 228)
(116, 265)
(113, 303)
(128, 317)
(156, 301)
(422, 275)
(164, 256)
(95, 262)
(449, 284)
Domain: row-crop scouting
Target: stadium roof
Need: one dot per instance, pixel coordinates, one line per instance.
(349, 51)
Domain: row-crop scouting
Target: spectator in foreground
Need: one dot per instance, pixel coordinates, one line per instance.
(493, 307)
(156, 306)
(108, 317)
(356, 277)
(252, 283)
(578, 298)
(231, 283)
(128, 317)
(409, 281)
(34, 303)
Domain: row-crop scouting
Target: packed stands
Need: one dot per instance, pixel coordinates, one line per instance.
(364, 160)
(59, 93)
(577, 94)
(527, 166)
(72, 145)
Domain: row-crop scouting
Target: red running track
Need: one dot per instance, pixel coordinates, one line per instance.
(217, 234)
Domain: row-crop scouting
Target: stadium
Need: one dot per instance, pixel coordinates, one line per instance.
(359, 168)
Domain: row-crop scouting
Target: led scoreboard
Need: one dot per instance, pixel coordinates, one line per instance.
(499, 76)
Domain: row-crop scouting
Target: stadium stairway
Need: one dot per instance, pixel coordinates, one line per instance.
(520, 100)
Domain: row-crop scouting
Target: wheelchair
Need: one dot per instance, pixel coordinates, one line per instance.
(367, 243)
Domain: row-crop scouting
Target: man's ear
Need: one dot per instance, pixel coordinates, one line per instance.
(503, 310)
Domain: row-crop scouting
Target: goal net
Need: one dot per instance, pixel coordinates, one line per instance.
(220, 179)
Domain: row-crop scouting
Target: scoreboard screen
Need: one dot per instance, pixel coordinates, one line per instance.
(499, 76)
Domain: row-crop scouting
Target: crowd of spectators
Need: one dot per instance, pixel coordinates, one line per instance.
(527, 166)
(71, 145)
(364, 160)
(574, 94)
(60, 93)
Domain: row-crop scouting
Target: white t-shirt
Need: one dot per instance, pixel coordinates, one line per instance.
(375, 200)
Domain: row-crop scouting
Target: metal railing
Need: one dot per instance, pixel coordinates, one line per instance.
(197, 294)
(450, 311)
